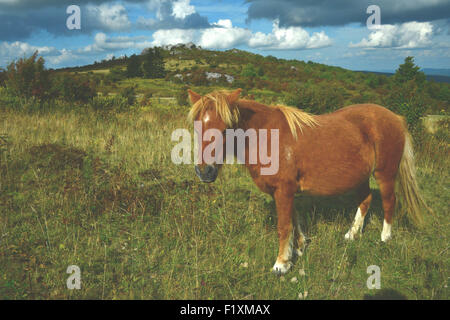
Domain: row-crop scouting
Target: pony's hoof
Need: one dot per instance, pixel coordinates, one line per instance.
(349, 236)
(281, 268)
(299, 252)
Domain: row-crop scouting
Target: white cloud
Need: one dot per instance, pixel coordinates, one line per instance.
(103, 43)
(407, 35)
(63, 56)
(14, 50)
(182, 8)
(174, 36)
(224, 35)
(113, 18)
(291, 38)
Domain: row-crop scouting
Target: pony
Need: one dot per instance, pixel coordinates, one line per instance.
(319, 155)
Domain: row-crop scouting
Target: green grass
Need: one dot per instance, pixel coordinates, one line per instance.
(101, 192)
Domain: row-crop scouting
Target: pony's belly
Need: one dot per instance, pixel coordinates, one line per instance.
(323, 183)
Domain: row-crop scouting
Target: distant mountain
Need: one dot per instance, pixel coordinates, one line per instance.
(444, 76)
(436, 72)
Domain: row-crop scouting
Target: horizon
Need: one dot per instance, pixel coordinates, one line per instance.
(362, 39)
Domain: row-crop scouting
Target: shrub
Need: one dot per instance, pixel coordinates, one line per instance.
(28, 78)
(182, 96)
(408, 100)
(74, 88)
(129, 93)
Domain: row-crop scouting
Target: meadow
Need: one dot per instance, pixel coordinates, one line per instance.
(86, 179)
(100, 191)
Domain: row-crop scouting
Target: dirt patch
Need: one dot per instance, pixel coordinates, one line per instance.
(56, 157)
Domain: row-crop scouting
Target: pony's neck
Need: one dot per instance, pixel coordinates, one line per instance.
(252, 114)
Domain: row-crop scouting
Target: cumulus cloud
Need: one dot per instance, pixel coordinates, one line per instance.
(408, 35)
(10, 51)
(170, 14)
(223, 35)
(333, 13)
(107, 17)
(182, 8)
(290, 38)
(19, 19)
(103, 43)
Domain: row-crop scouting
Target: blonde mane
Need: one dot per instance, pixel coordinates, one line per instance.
(294, 117)
(223, 110)
(297, 118)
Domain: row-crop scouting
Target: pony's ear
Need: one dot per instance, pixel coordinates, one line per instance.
(234, 96)
(194, 96)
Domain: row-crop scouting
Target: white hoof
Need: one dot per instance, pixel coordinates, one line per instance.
(349, 235)
(299, 252)
(386, 237)
(386, 234)
(281, 268)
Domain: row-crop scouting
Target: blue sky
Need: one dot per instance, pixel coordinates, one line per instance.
(332, 32)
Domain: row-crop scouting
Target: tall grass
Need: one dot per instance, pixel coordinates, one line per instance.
(100, 191)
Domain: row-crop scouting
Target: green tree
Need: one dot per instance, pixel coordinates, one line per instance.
(153, 65)
(134, 67)
(409, 71)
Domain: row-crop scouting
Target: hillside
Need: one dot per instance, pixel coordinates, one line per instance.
(312, 86)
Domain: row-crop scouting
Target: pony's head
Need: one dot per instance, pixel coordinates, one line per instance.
(216, 111)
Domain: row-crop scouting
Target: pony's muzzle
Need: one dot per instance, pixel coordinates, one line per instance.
(207, 174)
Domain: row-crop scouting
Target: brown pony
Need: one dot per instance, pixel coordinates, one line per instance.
(322, 155)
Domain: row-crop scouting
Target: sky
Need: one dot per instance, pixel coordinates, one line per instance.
(343, 33)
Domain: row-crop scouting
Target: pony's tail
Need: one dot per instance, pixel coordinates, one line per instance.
(407, 188)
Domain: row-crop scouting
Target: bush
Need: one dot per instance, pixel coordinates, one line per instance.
(116, 74)
(316, 98)
(28, 78)
(409, 101)
(182, 96)
(74, 88)
(129, 93)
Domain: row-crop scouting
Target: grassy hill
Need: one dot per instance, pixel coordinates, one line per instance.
(312, 86)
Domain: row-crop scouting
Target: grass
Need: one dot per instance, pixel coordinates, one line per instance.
(100, 192)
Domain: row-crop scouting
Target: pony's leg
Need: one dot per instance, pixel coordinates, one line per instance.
(387, 186)
(284, 203)
(365, 198)
(299, 237)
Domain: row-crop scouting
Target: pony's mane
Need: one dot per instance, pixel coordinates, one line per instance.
(229, 115)
(297, 118)
(294, 117)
